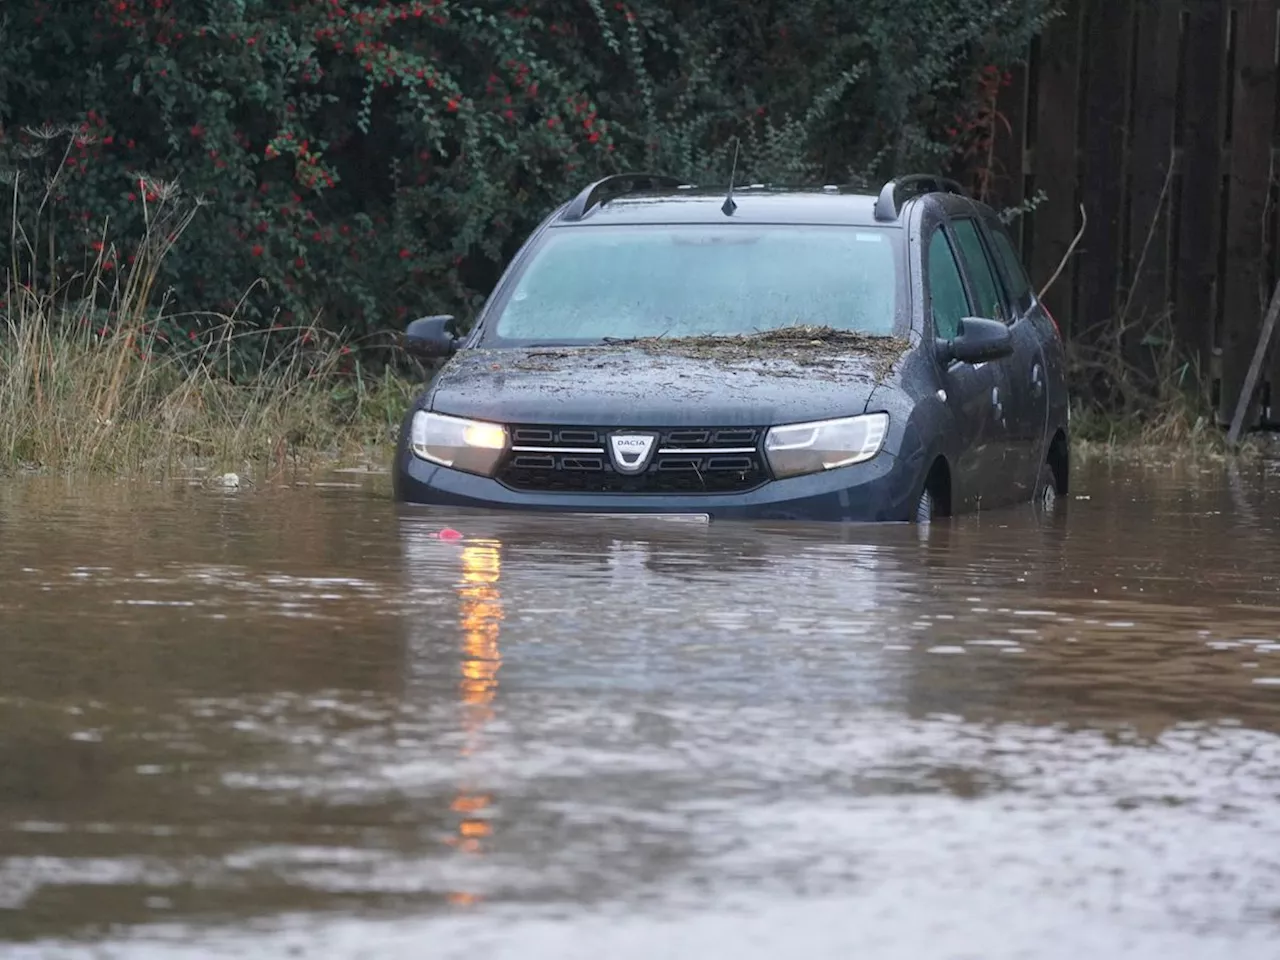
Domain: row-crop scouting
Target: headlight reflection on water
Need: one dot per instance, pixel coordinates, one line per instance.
(481, 621)
(480, 617)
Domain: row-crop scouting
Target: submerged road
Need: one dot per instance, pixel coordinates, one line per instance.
(297, 722)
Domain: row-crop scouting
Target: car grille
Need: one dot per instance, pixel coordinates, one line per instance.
(687, 460)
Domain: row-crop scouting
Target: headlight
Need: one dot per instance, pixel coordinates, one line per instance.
(813, 447)
(471, 445)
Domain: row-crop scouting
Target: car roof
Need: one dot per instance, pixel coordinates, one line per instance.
(752, 204)
(656, 198)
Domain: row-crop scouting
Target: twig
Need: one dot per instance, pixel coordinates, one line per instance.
(1067, 256)
(1146, 246)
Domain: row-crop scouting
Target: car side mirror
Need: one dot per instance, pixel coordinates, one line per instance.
(431, 337)
(977, 341)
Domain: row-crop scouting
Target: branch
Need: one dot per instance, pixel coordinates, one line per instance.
(1067, 256)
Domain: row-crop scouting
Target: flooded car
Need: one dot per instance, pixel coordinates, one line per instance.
(772, 355)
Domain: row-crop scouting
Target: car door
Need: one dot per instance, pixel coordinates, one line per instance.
(1033, 333)
(1022, 430)
(972, 391)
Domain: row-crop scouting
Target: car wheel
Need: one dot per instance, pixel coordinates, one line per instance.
(1046, 497)
(924, 507)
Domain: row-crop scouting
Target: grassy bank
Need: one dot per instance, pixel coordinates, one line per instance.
(94, 384)
(1180, 430)
(1163, 424)
(101, 372)
(76, 396)
(1153, 405)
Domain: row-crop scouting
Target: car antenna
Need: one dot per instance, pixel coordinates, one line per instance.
(729, 206)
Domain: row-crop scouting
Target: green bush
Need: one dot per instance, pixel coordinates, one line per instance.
(366, 163)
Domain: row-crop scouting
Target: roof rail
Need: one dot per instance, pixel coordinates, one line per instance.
(887, 207)
(583, 202)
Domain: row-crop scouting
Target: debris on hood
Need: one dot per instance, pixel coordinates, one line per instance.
(807, 351)
(803, 345)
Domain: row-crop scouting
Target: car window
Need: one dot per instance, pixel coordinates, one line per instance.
(947, 297)
(1015, 276)
(985, 286)
(663, 280)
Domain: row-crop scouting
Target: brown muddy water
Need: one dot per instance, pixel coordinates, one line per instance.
(293, 722)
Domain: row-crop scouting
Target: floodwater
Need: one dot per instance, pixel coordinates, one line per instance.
(296, 722)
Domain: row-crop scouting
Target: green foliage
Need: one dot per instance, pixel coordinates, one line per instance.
(363, 163)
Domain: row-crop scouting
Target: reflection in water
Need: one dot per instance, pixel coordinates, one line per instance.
(481, 621)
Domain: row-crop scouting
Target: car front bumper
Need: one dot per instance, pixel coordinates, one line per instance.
(883, 489)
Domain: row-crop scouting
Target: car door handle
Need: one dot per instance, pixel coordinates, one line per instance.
(1037, 380)
(996, 406)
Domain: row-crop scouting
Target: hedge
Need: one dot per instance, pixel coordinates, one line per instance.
(363, 163)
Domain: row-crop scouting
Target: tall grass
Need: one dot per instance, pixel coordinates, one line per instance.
(90, 382)
(1159, 405)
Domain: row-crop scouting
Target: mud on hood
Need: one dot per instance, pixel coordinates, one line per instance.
(723, 381)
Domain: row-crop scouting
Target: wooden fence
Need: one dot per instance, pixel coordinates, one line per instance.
(1160, 119)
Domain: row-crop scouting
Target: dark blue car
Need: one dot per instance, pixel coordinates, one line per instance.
(771, 354)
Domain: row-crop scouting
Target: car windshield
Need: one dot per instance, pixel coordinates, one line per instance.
(595, 283)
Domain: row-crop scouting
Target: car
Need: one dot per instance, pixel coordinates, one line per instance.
(748, 353)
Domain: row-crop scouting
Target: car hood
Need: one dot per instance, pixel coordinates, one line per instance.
(629, 386)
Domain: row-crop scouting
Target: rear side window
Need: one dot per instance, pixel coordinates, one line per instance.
(947, 297)
(1015, 277)
(985, 286)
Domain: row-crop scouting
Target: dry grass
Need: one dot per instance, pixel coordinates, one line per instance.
(89, 384)
(1158, 407)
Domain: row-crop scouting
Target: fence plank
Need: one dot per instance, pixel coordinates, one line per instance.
(1155, 90)
(1053, 224)
(1106, 103)
(1203, 82)
(1254, 105)
(1271, 373)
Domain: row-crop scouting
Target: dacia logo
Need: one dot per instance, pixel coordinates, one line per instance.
(631, 452)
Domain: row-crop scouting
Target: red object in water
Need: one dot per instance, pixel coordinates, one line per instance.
(448, 533)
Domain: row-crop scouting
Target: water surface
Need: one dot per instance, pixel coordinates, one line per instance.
(252, 722)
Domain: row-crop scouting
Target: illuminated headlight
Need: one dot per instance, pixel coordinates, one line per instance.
(471, 445)
(813, 447)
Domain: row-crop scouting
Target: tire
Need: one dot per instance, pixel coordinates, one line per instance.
(1046, 496)
(924, 507)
